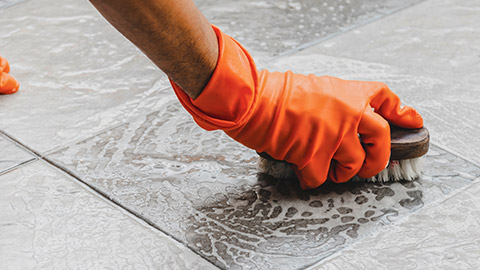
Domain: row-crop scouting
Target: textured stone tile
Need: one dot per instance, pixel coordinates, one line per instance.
(78, 76)
(48, 221)
(443, 236)
(436, 38)
(11, 155)
(439, 39)
(271, 27)
(204, 189)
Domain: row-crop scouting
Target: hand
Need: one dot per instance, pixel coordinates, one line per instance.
(309, 121)
(8, 85)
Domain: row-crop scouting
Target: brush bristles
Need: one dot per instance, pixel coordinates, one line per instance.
(276, 169)
(403, 170)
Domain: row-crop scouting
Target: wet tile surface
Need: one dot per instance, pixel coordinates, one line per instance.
(11, 155)
(130, 138)
(443, 236)
(204, 189)
(442, 43)
(271, 27)
(47, 221)
(78, 76)
(7, 3)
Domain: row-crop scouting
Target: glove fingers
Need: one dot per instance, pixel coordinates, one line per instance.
(348, 159)
(314, 173)
(4, 66)
(8, 85)
(388, 105)
(375, 135)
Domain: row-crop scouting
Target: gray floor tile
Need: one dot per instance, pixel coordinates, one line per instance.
(11, 155)
(435, 38)
(78, 76)
(48, 221)
(204, 189)
(439, 39)
(271, 27)
(444, 236)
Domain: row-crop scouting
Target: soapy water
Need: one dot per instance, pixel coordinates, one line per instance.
(203, 189)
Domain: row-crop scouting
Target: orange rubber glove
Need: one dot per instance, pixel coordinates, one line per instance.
(8, 85)
(309, 121)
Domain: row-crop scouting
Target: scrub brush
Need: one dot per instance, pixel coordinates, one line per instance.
(407, 147)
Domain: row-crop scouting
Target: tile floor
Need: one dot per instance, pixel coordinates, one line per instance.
(101, 170)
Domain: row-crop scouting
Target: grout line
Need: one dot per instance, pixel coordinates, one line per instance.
(20, 144)
(446, 149)
(73, 142)
(101, 131)
(93, 189)
(343, 31)
(402, 220)
(104, 195)
(19, 165)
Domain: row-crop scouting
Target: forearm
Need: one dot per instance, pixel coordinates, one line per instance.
(172, 33)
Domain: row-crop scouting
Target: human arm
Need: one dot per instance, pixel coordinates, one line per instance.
(172, 33)
(309, 121)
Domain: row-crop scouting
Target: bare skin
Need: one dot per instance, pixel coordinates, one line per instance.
(172, 33)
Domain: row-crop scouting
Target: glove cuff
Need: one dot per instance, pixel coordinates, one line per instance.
(229, 97)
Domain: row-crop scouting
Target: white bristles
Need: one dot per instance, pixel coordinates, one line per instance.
(395, 170)
(417, 165)
(382, 176)
(406, 170)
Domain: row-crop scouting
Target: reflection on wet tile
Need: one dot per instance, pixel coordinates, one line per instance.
(442, 42)
(437, 39)
(48, 221)
(7, 3)
(443, 236)
(271, 27)
(78, 76)
(203, 188)
(11, 155)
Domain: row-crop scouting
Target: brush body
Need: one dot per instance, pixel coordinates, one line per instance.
(407, 148)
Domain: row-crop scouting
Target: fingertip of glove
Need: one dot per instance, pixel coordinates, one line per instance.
(4, 66)
(8, 84)
(305, 182)
(415, 120)
(407, 117)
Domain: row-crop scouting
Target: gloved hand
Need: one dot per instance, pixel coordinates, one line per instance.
(8, 85)
(309, 121)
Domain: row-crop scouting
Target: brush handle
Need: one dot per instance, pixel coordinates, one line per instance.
(408, 143)
(405, 143)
